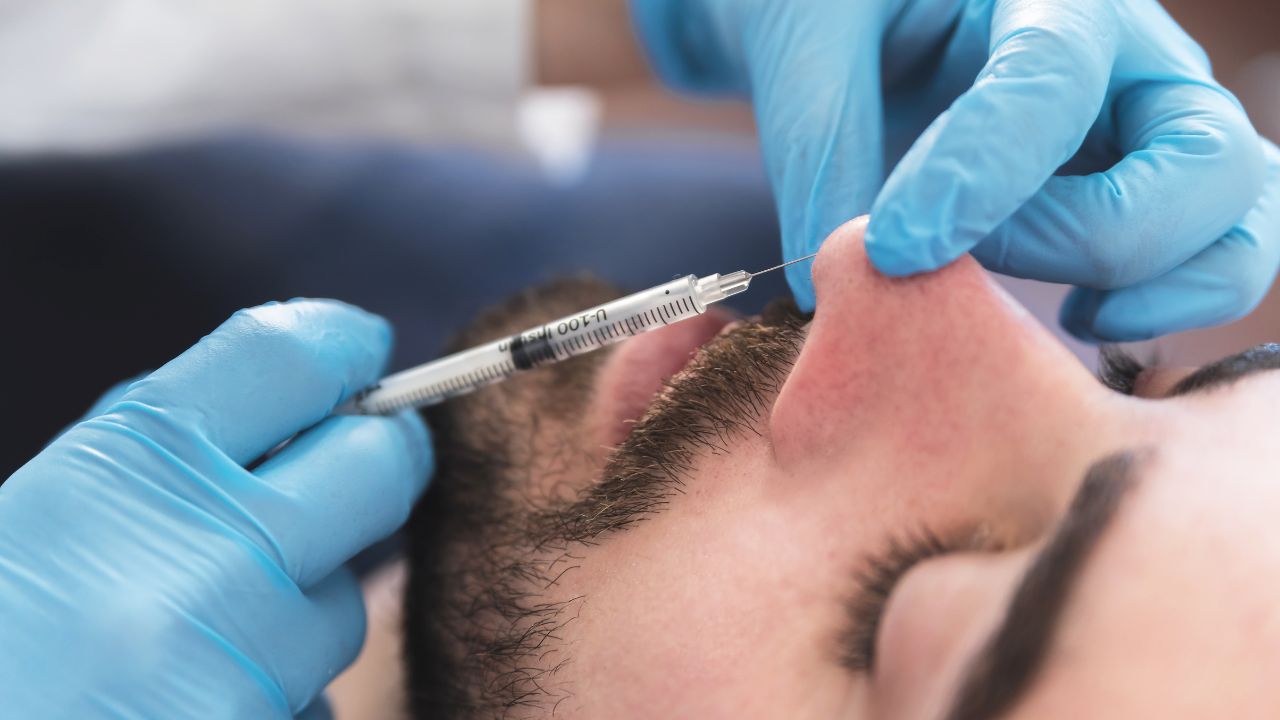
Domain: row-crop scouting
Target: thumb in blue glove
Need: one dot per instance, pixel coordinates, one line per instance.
(144, 572)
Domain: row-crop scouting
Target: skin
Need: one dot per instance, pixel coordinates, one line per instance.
(931, 402)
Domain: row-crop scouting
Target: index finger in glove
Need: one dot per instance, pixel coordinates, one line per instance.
(267, 373)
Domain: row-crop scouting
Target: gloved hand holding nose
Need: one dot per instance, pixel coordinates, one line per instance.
(1074, 141)
(145, 572)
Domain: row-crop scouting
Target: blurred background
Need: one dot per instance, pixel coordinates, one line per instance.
(120, 250)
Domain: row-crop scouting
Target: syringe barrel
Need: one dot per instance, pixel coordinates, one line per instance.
(576, 334)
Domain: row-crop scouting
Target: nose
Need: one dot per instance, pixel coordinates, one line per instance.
(881, 352)
(935, 398)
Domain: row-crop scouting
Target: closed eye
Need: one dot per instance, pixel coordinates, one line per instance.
(876, 580)
(1119, 370)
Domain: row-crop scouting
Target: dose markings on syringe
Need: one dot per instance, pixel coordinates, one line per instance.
(631, 325)
(473, 378)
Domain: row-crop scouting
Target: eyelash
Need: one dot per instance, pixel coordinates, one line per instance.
(1119, 370)
(876, 582)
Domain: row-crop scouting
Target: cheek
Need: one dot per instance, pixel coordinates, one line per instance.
(718, 608)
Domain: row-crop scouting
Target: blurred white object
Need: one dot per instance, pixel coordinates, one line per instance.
(559, 127)
(101, 74)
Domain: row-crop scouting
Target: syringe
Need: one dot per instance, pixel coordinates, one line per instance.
(558, 340)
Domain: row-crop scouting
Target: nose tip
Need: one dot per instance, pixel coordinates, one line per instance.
(844, 276)
(842, 257)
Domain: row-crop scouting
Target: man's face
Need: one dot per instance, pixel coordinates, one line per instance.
(918, 505)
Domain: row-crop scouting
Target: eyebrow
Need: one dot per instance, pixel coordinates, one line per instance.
(1003, 669)
(1228, 370)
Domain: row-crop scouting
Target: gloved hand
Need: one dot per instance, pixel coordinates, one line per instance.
(146, 573)
(1168, 219)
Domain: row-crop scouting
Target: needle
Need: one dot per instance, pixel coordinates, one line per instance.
(779, 267)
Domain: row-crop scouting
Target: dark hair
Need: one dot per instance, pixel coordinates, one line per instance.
(473, 607)
(498, 530)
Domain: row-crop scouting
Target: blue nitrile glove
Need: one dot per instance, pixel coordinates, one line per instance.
(1167, 220)
(146, 573)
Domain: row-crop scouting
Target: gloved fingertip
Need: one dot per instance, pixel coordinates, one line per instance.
(1102, 316)
(376, 325)
(892, 261)
(896, 256)
(1077, 314)
(1124, 331)
(385, 329)
(1118, 320)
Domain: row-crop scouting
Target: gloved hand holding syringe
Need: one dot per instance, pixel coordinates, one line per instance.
(561, 339)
